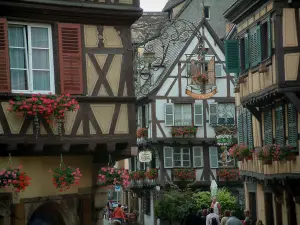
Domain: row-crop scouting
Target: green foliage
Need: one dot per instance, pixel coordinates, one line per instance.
(224, 197)
(174, 205)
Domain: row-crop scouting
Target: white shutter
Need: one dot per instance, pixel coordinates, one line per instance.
(198, 156)
(169, 114)
(213, 113)
(139, 117)
(213, 157)
(168, 157)
(147, 116)
(198, 114)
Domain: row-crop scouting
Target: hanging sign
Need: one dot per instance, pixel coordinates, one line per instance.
(201, 96)
(224, 139)
(145, 156)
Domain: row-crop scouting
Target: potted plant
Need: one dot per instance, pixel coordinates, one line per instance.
(64, 178)
(108, 177)
(13, 177)
(234, 152)
(183, 131)
(265, 154)
(137, 176)
(282, 153)
(152, 174)
(245, 152)
(185, 173)
(142, 133)
(228, 174)
(44, 106)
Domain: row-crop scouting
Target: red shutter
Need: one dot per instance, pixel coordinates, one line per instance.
(70, 58)
(4, 57)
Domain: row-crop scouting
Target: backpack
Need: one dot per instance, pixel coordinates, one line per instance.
(214, 221)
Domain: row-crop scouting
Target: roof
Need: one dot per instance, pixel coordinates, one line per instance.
(171, 4)
(175, 53)
(147, 26)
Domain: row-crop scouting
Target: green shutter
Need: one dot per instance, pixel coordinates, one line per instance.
(253, 47)
(268, 127)
(279, 126)
(292, 125)
(250, 130)
(259, 48)
(245, 127)
(269, 37)
(246, 38)
(240, 128)
(232, 56)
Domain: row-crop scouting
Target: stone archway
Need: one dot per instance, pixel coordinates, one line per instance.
(47, 214)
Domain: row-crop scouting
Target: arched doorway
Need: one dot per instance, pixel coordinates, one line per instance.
(47, 214)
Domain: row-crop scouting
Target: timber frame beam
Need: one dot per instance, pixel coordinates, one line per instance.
(294, 99)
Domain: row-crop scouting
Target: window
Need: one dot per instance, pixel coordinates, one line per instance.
(139, 117)
(176, 157)
(198, 156)
(207, 12)
(198, 114)
(31, 58)
(213, 113)
(213, 157)
(264, 40)
(219, 70)
(225, 114)
(183, 115)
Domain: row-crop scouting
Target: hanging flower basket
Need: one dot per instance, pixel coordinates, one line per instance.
(12, 177)
(185, 174)
(65, 177)
(142, 132)
(47, 107)
(108, 176)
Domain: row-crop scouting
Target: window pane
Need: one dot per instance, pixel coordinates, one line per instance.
(186, 163)
(218, 69)
(16, 36)
(186, 151)
(18, 79)
(177, 114)
(41, 80)
(177, 163)
(17, 58)
(177, 157)
(39, 37)
(187, 115)
(168, 152)
(168, 162)
(177, 151)
(40, 59)
(186, 157)
(197, 152)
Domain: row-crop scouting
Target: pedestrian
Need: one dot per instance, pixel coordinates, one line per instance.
(203, 217)
(212, 218)
(226, 217)
(247, 220)
(191, 218)
(119, 214)
(233, 220)
(216, 206)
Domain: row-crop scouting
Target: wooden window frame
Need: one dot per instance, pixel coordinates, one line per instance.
(181, 158)
(28, 49)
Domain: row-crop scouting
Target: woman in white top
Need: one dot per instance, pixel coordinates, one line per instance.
(216, 206)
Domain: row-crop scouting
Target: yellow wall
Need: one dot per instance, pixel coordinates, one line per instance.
(289, 28)
(38, 169)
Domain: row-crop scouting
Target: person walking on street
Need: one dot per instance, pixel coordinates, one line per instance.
(247, 220)
(225, 218)
(212, 218)
(119, 214)
(233, 220)
(216, 206)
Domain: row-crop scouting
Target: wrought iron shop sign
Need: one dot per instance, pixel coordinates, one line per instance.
(224, 139)
(145, 156)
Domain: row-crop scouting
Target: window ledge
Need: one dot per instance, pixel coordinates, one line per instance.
(254, 69)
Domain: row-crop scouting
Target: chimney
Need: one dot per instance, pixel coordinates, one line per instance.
(228, 27)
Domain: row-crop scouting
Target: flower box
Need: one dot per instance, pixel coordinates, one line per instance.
(188, 131)
(185, 174)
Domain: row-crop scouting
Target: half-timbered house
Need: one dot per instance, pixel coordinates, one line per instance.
(264, 53)
(172, 106)
(81, 48)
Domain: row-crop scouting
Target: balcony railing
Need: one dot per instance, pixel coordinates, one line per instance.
(275, 168)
